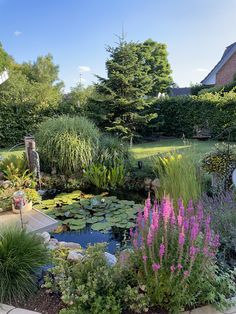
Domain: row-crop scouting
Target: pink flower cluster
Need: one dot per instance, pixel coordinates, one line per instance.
(173, 239)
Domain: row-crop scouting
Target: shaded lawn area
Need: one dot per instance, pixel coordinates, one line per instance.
(195, 148)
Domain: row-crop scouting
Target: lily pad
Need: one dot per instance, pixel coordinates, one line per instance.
(100, 226)
(77, 227)
(94, 219)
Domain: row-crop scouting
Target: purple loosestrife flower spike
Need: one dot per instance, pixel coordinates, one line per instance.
(131, 232)
(166, 210)
(172, 268)
(147, 208)
(149, 237)
(181, 207)
(155, 206)
(180, 220)
(192, 252)
(194, 231)
(186, 273)
(135, 243)
(145, 258)
(186, 224)
(181, 238)
(162, 250)
(216, 241)
(205, 251)
(156, 267)
(172, 216)
(155, 219)
(180, 266)
(190, 208)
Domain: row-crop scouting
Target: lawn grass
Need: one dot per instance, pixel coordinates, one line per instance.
(196, 148)
(4, 152)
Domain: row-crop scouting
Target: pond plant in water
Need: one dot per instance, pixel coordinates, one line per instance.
(102, 213)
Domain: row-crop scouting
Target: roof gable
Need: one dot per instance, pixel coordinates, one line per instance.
(210, 79)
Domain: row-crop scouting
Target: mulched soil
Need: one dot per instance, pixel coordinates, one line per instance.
(49, 303)
(42, 302)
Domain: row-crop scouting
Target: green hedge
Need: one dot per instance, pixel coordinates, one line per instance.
(178, 115)
(16, 121)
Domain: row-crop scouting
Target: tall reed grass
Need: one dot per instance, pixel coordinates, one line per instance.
(179, 177)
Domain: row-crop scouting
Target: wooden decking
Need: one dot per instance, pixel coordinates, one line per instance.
(33, 220)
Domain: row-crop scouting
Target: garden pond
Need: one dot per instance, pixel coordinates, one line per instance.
(88, 219)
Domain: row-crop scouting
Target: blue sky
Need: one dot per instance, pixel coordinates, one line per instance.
(76, 32)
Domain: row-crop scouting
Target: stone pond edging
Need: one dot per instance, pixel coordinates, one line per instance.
(8, 309)
(209, 309)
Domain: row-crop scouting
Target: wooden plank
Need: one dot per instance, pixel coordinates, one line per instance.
(33, 220)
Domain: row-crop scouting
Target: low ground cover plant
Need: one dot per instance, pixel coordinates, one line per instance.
(90, 285)
(21, 254)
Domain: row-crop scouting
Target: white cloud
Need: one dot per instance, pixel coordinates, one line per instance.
(84, 68)
(202, 70)
(17, 33)
(83, 81)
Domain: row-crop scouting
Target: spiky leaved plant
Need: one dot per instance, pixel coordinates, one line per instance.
(21, 254)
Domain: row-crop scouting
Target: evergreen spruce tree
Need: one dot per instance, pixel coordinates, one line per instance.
(122, 96)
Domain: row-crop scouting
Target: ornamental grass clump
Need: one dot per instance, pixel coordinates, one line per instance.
(174, 253)
(178, 177)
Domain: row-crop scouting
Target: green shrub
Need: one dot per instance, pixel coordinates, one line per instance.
(32, 195)
(221, 161)
(112, 149)
(67, 144)
(6, 198)
(21, 253)
(178, 177)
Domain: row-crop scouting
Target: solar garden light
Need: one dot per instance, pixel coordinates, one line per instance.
(18, 203)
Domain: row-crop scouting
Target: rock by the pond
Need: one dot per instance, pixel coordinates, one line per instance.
(52, 244)
(1, 175)
(74, 256)
(46, 237)
(155, 184)
(6, 184)
(110, 258)
(69, 245)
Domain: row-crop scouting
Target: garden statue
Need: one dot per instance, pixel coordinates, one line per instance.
(32, 156)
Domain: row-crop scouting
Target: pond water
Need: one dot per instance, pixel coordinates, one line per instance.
(90, 220)
(115, 240)
(84, 238)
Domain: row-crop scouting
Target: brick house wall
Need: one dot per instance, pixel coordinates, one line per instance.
(226, 73)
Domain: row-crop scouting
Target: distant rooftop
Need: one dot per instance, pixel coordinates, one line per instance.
(180, 91)
(210, 79)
